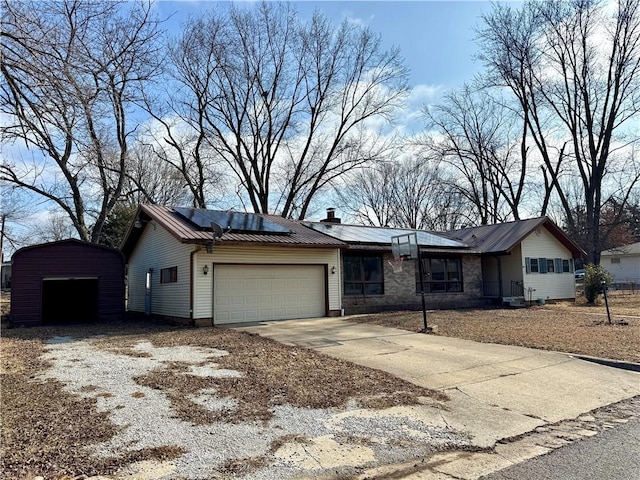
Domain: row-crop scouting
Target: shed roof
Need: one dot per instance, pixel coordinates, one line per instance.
(187, 232)
(631, 249)
(501, 238)
(65, 242)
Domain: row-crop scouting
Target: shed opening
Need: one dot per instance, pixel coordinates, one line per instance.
(69, 300)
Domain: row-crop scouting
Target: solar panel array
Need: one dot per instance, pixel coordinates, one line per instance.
(236, 222)
(380, 235)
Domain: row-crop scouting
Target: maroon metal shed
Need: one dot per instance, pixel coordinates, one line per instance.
(69, 281)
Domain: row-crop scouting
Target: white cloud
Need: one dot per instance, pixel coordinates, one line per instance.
(421, 94)
(357, 21)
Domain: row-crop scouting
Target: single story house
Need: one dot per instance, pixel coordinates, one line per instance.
(208, 267)
(67, 281)
(508, 262)
(623, 263)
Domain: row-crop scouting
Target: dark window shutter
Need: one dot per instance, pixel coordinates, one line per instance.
(542, 262)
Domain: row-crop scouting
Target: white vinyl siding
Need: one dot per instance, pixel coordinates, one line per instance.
(158, 249)
(253, 293)
(627, 270)
(262, 255)
(512, 271)
(537, 249)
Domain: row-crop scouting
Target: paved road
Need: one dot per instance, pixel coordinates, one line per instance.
(613, 454)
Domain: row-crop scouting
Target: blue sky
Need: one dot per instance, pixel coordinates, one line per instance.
(436, 38)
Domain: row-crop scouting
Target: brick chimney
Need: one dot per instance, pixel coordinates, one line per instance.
(331, 216)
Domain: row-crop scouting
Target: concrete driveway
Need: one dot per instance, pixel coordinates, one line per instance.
(495, 391)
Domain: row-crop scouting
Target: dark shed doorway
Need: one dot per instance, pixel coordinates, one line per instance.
(69, 300)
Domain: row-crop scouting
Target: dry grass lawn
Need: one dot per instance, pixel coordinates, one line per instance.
(47, 431)
(567, 327)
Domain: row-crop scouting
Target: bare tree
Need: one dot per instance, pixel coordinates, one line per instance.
(55, 226)
(423, 197)
(473, 135)
(575, 70)
(285, 104)
(369, 194)
(12, 212)
(72, 72)
(408, 193)
(151, 180)
(622, 193)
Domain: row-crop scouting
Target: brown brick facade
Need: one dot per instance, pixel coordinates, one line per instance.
(399, 290)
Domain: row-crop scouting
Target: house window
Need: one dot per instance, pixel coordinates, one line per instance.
(532, 265)
(169, 275)
(363, 275)
(558, 265)
(441, 275)
(615, 259)
(567, 266)
(550, 265)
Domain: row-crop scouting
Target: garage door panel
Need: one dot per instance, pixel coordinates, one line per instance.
(278, 299)
(250, 293)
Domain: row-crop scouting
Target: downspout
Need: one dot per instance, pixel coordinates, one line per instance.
(500, 290)
(191, 283)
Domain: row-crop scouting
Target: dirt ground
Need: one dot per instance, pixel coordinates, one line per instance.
(574, 327)
(52, 423)
(5, 304)
(49, 429)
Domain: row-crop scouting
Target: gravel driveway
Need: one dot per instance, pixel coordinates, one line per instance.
(296, 442)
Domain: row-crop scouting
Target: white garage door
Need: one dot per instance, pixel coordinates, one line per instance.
(253, 293)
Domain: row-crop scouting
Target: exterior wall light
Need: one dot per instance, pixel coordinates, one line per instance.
(333, 269)
(205, 269)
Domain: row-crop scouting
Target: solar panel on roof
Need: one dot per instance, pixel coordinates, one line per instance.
(381, 235)
(237, 222)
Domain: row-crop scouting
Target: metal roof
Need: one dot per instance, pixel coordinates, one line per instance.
(501, 238)
(496, 239)
(187, 232)
(360, 234)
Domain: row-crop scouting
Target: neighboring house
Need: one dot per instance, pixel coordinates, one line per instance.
(265, 267)
(65, 282)
(5, 275)
(623, 263)
(262, 268)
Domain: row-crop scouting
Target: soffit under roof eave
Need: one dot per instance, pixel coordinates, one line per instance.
(500, 253)
(222, 241)
(387, 248)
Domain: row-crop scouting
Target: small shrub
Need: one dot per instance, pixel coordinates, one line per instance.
(595, 276)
